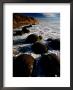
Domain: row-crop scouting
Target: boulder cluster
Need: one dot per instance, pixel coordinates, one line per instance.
(25, 65)
(23, 31)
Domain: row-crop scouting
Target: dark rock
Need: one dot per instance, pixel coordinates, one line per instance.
(28, 26)
(39, 48)
(14, 58)
(54, 44)
(16, 33)
(49, 39)
(25, 30)
(32, 38)
(50, 65)
(23, 65)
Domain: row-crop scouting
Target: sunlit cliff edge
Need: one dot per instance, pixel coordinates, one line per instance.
(20, 20)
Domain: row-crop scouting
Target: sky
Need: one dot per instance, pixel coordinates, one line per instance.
(42, 15)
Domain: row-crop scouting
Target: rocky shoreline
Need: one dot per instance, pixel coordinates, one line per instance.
(19, 20)
(33, 56)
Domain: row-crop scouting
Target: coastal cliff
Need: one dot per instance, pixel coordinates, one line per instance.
(20, 20)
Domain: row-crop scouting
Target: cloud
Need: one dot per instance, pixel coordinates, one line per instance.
(51, 14)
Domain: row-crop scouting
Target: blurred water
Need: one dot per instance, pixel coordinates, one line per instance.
(47, 28)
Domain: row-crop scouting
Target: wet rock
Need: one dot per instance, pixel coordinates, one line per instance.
(28, 26)
(25, 30)
(23, 65)
(32, 38)
(17, 33)
(54, 44)
(14, 58)
(39, 48)
(50, 65)
(49, 39)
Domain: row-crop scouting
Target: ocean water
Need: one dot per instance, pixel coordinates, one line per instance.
(47, 28)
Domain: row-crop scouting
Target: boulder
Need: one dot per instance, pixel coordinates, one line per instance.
(49, 39)
(39, 48)
(23, 65)
(50, 65)
(32, 38)
(17, 33)
(25, 30)
(54, 44)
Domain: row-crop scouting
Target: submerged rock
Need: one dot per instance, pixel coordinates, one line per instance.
(24, 49)
(18, 42)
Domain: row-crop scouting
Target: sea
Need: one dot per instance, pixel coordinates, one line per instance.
(47, 28)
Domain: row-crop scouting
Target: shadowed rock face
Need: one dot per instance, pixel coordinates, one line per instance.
(32, 38)
(17, 33)
(25, 30)
(54, 44)
(39, 48)
(49, 39)
(23, 65)
(50, 65)
(28, 26)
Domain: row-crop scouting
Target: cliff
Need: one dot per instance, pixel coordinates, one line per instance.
(20, 20)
